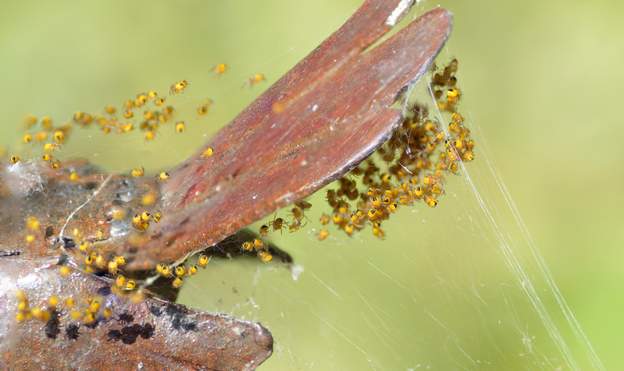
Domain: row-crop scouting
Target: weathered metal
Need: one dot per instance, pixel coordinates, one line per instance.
(151, 334)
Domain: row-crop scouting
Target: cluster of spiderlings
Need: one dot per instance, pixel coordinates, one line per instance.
(147, 111)
(94, 261)
(111, 267)
(409, 168)
(44, 132)
(91, 256)
(91, 310)
(87, 314)
(42, 313)
(177, 273)
(141, 222)
(259, 246)
(293, 224)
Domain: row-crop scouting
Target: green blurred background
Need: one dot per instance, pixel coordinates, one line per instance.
(541, 82)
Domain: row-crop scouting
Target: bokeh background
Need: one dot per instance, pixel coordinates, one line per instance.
(542, 85)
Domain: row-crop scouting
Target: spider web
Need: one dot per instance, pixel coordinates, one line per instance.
(462, 286)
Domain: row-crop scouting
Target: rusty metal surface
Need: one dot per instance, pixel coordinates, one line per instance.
(321, 119)
(32, 189)
(152, 334)
(160, 334)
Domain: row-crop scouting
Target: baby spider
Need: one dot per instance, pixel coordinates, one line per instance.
(203, 260)
(264, 230)
(203, 108)
(178, 87)
(137, 172)
(208, 152)
(277, 224)
(220, 69)
(255, 79)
